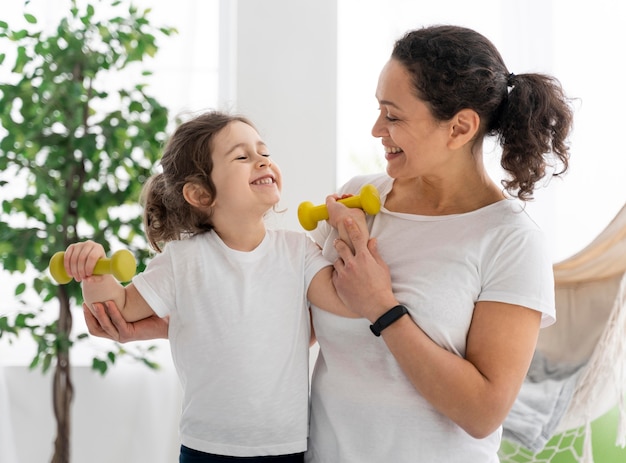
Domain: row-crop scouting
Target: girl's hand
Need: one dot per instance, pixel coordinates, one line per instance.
(338, 212)
(81, 258)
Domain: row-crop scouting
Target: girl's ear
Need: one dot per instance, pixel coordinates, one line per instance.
(463, 128)
(197, 195)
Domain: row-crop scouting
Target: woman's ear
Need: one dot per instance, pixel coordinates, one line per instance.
(463, 128)
(197, 195)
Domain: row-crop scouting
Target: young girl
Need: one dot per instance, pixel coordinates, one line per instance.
(239, 323)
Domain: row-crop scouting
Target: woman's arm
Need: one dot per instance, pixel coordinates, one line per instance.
(105, 321)
(477, 391)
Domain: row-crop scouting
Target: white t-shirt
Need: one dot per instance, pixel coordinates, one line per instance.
(239, 333)
(363, 408)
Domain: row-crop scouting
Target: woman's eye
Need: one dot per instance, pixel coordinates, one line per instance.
(391, 118)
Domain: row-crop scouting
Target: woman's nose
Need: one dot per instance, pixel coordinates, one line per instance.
(378, 129)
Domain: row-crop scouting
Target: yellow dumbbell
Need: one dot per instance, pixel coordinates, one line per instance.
(368, 199)
(121, 265)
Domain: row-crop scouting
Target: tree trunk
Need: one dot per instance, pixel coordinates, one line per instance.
(62, 389)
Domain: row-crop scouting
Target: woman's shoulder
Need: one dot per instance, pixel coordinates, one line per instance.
(381, 181)
(513, 213)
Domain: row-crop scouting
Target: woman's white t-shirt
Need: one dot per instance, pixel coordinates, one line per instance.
(363, 408)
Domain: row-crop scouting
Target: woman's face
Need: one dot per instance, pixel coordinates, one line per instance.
(414, 141)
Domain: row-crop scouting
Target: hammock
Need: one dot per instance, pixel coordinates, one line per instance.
(578, 372)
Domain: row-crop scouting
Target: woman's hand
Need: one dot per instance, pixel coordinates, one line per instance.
(106, 321)
(362, 278)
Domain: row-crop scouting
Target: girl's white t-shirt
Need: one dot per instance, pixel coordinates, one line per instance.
(363, 406)
(239, 333)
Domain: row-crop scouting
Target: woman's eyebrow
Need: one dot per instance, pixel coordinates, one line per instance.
(388, 103)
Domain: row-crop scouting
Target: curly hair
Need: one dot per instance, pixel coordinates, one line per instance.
(456, 68)
(187, 158)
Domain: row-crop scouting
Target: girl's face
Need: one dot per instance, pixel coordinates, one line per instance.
(414, 140)
(245, 178)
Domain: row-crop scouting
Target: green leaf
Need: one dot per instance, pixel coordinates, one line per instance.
(47, 361)
(99, 365)
(6, 327)
(30, 18)
(19, 289)
(21, 320)
(150, 364)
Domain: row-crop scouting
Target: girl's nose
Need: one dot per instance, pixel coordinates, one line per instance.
(264, 162)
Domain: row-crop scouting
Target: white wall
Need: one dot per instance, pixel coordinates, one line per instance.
(285, 81)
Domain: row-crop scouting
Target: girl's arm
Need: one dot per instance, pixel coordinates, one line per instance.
(80, 260)
(477, 391)
(322, 291)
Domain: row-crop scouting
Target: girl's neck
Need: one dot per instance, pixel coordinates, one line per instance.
(241, 236)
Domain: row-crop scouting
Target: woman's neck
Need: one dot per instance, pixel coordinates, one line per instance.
(424, 196)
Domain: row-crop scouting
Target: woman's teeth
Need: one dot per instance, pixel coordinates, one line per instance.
(392, 149)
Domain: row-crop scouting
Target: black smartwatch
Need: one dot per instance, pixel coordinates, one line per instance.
(389, 317)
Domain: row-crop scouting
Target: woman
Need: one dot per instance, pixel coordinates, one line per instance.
(448, 326)
(465, 260)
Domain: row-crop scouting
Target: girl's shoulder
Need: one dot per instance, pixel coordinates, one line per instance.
(287, 236)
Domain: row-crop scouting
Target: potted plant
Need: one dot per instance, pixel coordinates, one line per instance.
(83, 146)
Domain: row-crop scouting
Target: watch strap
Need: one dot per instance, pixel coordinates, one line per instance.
(389, 317)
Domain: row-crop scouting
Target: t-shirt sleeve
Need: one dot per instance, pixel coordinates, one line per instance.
(314, 261)
(519, 271)
(157, 284)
